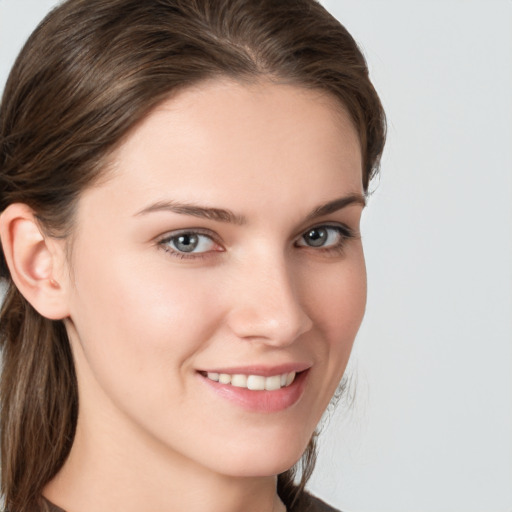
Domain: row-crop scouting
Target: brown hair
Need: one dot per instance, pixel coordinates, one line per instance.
(89, 73)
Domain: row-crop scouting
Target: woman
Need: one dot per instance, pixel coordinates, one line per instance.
(182, 183)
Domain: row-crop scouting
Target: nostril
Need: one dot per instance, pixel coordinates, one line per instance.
(279, 324)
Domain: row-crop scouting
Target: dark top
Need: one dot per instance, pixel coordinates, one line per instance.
(312, 504)
(309, 504)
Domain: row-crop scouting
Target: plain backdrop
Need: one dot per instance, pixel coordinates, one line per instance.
(431, 426)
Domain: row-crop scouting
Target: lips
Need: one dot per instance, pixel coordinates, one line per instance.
(254, 382)
(266, 390)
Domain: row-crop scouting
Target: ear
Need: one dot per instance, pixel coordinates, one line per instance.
(37, 262)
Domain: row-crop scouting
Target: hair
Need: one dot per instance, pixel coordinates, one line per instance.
(87, 76)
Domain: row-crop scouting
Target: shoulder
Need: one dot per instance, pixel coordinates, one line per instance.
(42, 505)
(46, 506)
(309, 503)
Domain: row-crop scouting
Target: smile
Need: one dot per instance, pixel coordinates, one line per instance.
(253, 382)
(259, 390)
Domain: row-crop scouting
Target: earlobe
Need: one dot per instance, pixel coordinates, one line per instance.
(34, 261)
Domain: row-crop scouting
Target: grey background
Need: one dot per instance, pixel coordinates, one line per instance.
(431, 428)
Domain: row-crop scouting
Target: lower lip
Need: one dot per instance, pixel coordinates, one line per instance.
(261, 401)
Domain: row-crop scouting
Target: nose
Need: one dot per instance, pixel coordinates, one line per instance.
(267, 306)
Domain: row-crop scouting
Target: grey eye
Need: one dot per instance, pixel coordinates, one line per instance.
(187, 242)
(325, 237)
(316, 237)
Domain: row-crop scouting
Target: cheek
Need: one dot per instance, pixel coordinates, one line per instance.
(337, 296)
(337, 301)
(136, 319)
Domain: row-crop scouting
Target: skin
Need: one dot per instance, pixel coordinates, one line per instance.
(142, 320)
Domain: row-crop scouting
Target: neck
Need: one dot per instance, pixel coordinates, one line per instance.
(100, 474)
(116, 463)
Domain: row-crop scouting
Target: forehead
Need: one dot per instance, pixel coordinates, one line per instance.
(222, 140)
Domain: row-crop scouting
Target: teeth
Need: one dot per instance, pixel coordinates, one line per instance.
(272, 383)
(240, 381)
(254, 382)
(224, 378)
(290, 378)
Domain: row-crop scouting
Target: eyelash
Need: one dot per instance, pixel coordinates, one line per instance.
(343, 231)
(164, 244)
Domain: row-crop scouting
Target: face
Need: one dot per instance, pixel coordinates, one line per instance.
(218, 278)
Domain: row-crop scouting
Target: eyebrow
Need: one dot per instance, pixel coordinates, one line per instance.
(217, 214)
(223, 215)
(337, 204)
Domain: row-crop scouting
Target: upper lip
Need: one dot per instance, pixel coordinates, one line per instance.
(263, 370)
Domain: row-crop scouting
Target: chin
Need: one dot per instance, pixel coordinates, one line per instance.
(267, 460)
(264, 469)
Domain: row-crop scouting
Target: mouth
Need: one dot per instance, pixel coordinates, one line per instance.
(259, 390)
(253, 382)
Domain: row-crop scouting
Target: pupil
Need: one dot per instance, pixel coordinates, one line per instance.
(186, 243)
(316, 237)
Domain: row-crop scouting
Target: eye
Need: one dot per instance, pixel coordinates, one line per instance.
(189, 243)
(325, 237)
